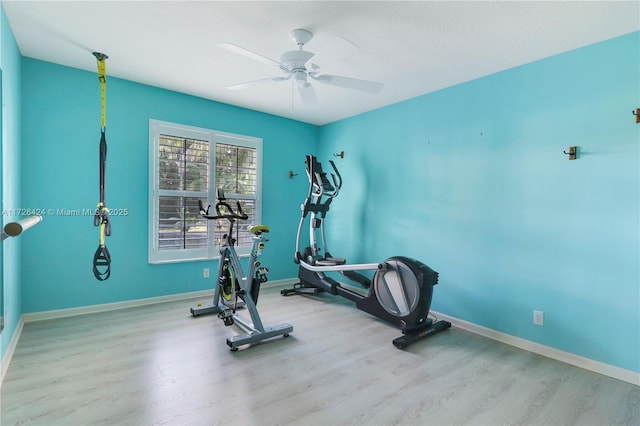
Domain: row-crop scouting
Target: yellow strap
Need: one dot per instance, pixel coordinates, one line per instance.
(103, 225)
(102, 76)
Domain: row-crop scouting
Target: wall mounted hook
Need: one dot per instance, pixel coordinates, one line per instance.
(573, 152)
(637, 114)
(291, 174)
(340, 154)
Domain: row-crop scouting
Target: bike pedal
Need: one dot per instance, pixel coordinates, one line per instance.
(226, 316)
(261, 274)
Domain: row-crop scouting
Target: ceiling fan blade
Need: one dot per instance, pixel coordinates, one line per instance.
(248, 53)
(349, 83)
(337, 49)
(307, 94)
(257, 82)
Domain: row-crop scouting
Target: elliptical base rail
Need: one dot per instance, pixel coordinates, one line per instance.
(416, 335)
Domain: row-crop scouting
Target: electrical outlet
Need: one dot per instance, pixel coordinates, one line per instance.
(538, 317)
(205, 273)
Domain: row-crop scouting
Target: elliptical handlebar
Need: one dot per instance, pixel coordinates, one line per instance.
(337, 180)
(318, 179)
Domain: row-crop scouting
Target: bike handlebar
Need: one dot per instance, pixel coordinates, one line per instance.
(221, 215)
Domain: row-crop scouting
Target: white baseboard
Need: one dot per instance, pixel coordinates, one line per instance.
(8, 355)
(105, 307)
(547, 351)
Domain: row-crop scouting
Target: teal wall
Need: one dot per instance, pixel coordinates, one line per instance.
(10, 62)
(472, 180)
(60, 137)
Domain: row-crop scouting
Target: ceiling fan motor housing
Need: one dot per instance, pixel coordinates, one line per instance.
(294, 60)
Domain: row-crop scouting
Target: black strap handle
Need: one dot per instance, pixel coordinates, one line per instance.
(102, 263)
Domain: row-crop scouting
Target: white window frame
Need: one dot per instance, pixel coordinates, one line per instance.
(214, 137)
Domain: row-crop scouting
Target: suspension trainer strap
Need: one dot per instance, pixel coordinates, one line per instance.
(102, 257)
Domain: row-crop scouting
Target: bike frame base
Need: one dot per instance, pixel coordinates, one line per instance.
(255, 336)
(252, 335)
(212, 309)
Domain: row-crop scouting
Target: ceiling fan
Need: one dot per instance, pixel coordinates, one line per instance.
(301, 66)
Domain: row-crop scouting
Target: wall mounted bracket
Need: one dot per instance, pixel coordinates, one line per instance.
(573, 152)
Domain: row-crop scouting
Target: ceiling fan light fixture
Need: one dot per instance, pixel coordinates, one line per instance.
(300, 77)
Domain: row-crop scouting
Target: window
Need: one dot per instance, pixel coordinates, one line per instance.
(188, 164)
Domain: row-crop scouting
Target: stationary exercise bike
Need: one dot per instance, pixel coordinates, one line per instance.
(234, 289)
(401, 289)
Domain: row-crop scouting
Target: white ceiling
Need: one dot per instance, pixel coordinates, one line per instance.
(412, 47)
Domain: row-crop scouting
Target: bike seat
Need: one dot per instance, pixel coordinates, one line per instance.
(259, 229)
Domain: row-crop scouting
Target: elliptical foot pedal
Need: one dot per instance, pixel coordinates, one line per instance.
(300, 288)
(330, 261)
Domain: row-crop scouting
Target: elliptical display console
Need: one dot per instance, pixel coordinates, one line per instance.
(401, 289)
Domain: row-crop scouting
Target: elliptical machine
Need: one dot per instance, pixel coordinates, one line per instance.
(234, 289)
(401, 289)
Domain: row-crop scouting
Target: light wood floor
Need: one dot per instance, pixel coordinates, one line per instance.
(158, 365)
